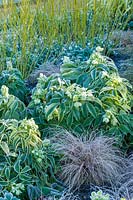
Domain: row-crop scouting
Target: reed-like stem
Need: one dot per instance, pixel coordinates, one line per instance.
(23, 25)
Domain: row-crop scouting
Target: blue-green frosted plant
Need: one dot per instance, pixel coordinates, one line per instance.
(100, 75)
(12, 78)
(5, 195)
(57, 101)
(87, 95)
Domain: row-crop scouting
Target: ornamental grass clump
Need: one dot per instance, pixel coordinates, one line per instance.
(69, 196)
(125, 181)
(94, 161)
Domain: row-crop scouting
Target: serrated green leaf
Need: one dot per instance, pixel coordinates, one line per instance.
(62, 112)
(68, 66)
(50, 109)
(55, 100)
(82, 78)
(25, 169)
(7, 172)
(2, 128)
(14, 180)
(124, 128)
(70, 119)
(25, 177)
(98, 121)
(3, 183)
(88, 121)
(5, 147)
(93, 74)
(84, 110)
(71, 75)
(92, 110)
(76, 114)
(14, 106)
(105, 89)
(17, 166)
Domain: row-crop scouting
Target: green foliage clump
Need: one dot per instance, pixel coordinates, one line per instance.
(56, 100)
(23, 134)
(45, 159)
(18, 139)
(100, 75)
(75, 51)
(12, 78)
(10, 106)
(5, 195)
(99, 196)
(90, 95)
(24, 158)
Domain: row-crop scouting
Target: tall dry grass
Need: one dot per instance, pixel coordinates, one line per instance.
(31, 26)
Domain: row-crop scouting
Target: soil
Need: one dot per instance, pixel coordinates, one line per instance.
(47, 69)
(123, 54)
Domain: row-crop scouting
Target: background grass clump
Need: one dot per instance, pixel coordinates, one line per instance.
(28, 29)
